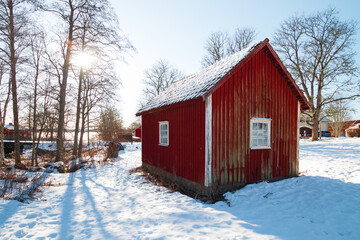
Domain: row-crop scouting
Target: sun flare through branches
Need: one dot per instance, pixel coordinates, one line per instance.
(83, 60)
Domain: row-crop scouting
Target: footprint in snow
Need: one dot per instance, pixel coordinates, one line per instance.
(197, 226)
(20, 234)
(32, 224)
(53, 235)
(32, 215)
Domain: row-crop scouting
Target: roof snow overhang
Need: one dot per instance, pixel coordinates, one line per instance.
(207, 81)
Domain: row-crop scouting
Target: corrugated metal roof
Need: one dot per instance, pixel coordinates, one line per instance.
(197, 84)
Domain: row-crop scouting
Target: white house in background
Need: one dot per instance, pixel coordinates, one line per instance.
(323, 126)
(306, 128)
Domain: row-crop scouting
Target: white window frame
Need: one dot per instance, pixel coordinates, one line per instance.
(166, 137)
(264, 121)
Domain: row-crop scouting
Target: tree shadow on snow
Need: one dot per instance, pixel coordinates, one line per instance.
(8, 210)
(68, 213)
(98, 216)
(331, 150)
(68, 207)
(24, 197)
(298, 208)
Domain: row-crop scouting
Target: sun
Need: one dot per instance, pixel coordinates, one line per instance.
(83, 59)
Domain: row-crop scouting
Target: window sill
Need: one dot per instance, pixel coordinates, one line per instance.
(257, 148)
(164, 145)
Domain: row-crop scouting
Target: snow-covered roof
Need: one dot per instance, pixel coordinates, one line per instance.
(324, 119)
(197, 84)
(10, 127)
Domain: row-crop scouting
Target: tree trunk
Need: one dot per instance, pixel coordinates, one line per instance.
(2, 151)
(315, 127)
(13, 60)
(33, 153)
(51, 128)
(83, 120)
(60, 139)
(2, 121)
(34, 129)
(37, 146)
(52, 135)
(62, 103)
(81, 137)
(29, 114)
(88, 128)
(78, 109)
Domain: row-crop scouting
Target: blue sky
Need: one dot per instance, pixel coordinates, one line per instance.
(177, 31)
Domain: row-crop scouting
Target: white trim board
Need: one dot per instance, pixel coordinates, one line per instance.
(208, 140)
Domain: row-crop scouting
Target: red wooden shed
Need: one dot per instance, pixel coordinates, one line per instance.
(233, 123)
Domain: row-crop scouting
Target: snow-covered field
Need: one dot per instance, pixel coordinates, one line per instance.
(109, 203)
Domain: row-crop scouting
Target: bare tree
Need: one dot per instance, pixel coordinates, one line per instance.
(78, 15)
(220, 45)
(317, 50)
(69, 11)
(13, 36)
(98, 35)
(98, 90)
(37, 45)
(42, 116)
(160, 76)
(242, 38)
(338, 112)
(216, 48)
(110, 124)
(135, 125)
(4, 87)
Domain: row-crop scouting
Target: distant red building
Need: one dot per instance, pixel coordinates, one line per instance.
(233, 123)
(346, 125)
(137, 133)
(9, 132)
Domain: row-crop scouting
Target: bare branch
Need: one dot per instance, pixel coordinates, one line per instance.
(318, 52)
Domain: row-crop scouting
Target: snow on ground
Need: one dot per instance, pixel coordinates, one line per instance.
(109, 203)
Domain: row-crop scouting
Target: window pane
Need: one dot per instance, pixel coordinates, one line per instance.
(163, 133)
(260, 133)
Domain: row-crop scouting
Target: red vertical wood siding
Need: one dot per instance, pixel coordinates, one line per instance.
(185, 155)
(256, 89)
